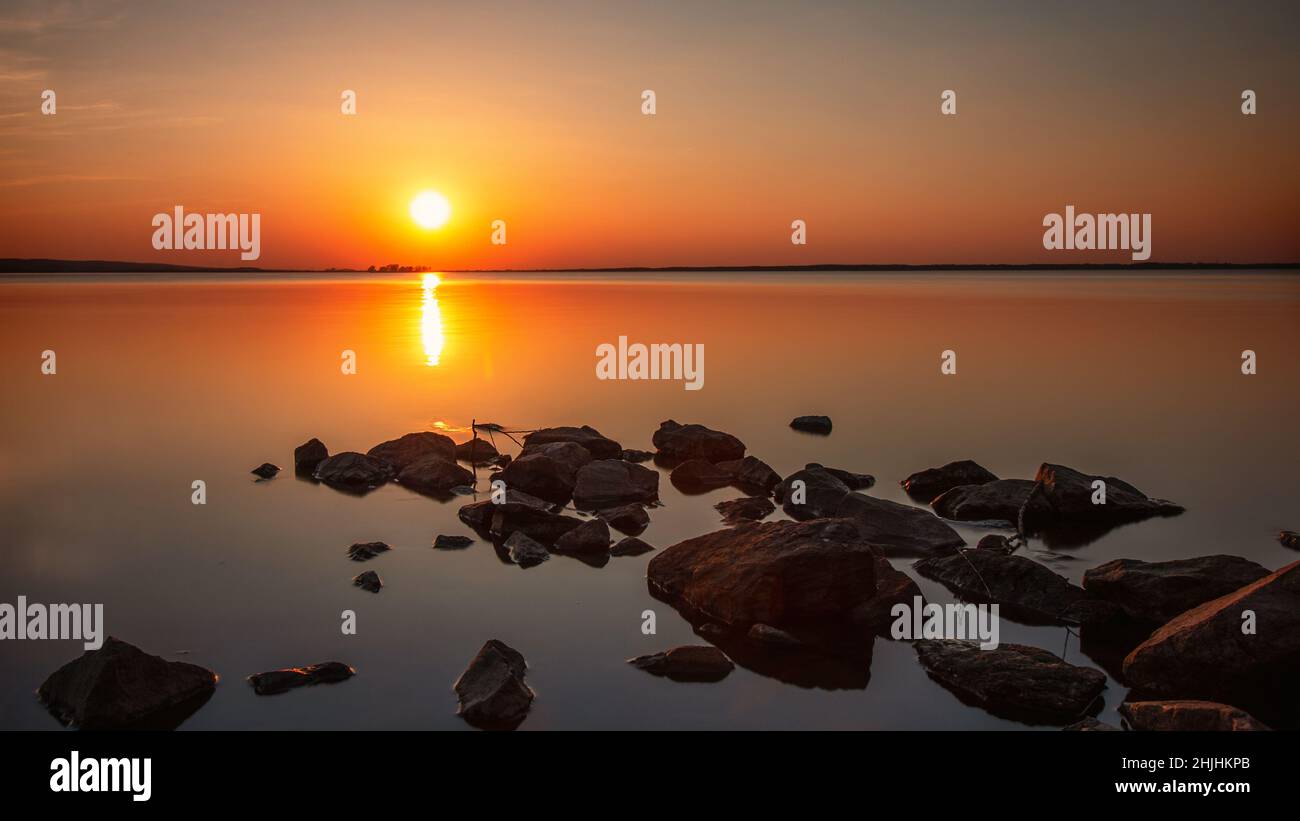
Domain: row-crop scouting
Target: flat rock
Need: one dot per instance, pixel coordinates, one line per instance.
(606, 483)
(281, 681)
(752, 474)
(492, 692)
(688, 663)
(998, 500)
(1195, 716)
(812, 424)
(413, 447)
(445, 542)
(747, 509)
(539, 475)
(925, 485)
(308, 455)
(1069, 494)
(1204, 653)
(434, 474)
(120, 686)
(524, 551)
(351, 469)
(678, 441)
(519, 511)
(629, 519)
(698, 476)
(1156, 592)
(369, 581)
(631, 546)
(365, 551)
(266, 470)
(592, 536)
(476, 452)
(1015, 680)
(599, 446)
(1023, 586)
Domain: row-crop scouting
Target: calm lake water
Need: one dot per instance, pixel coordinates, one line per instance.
(161, 382)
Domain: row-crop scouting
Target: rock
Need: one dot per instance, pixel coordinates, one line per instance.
(592, 536)
(368, 581)
(519, 511)
(524, 551)
(120, 686)
(631, 546)
(266, 470)
(541, 476)
(696, 442)
(713, 632)
(822, 494)
(689, 663)
(612, 482)
(1014, 681)
(999, 500)
(476, 452)
(636, 456)
(434, 474)
(812, 424)
(698, 476)
(412, 448)
(445, 542)
(282, 681)
(308, 455)
(1196, 716)
(492, 692)
(1205, 654)
(1156, 592)
(1023, 586)
(1091, 725)
(569, 455)
(1069, 494)
(365, 551)
(1289, 538)
(752, 474)
(778, 573)
(892, 587)
(597, 445)
(748, 509)
(355, 470)
(996, 543)
(770, 636)
(925, 485)
(629, 519)
(853, 481)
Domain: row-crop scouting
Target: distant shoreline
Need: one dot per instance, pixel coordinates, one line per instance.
(68, 266)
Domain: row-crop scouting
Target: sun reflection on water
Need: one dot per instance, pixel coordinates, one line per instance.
(431, 321)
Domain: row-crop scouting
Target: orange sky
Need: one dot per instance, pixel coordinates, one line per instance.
(767, 112)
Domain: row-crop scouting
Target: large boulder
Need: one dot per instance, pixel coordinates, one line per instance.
(613, 482)
(1156, 592)
(1241, 649)
(518, 511)
(434, 474)
(999, 500)
(1013, 681)
(570, 455)
(689, 663)
(1196, 716)
(413, 447)
(927, 484)
(353, 470)
(492, 692)
(120, 686)
(599, 446)
(676, 441)
(752, 474)
(1069, 495)
(1027, 589)
(541, 476)
(308, 455)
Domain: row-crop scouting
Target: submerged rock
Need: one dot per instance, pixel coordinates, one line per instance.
(925, 485)
(592, 536)
(1156, 592)
(365, 551)
(608, 483)
(688, 663)
(492, 693)
(1013, 681)
(519, 511)
(266, 470)
(308, 455)
(1196, 716)
(477, 452)
(1026, 588)
(524, 551)
(631, 546)
(698, 476)
(434, 474)
(812, 424)
(120, 686)
(697, 442)
(281, 681)
(351, 469)
(998, 500)
(445, 542)
(368, 581)
(752, 474)
(413, 447)
(629, 519)
(748, 509)
(599, 446)
(1206, 653)
(541, 476)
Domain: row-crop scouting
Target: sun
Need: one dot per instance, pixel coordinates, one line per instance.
(430, 210)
